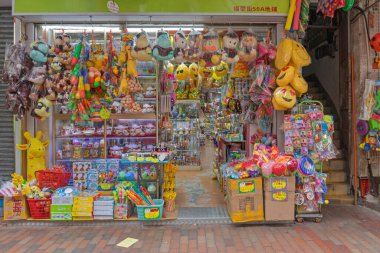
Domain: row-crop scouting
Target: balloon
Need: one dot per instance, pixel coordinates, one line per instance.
(279, 169)
(284, 53)
(292, 165)
(285, 96)
(300, 56)
(299, 84)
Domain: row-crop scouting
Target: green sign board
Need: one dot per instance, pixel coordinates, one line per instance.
(67, 7)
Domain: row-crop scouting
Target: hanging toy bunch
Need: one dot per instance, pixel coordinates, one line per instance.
(291, 56)
(179, 42)
(79, 97)
(329, 7)
(17, 66)
(182, 75)
(163, 49)
(369, 124)
(194, 45)
(169, 186)
(211, 53)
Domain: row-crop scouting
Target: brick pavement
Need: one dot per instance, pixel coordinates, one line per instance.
(343, 229)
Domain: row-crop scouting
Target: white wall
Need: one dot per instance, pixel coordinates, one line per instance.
(327, 71)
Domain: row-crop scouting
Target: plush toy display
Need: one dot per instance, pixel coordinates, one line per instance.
(194, 43)
(142, 51)
(179, 46)
(248, 45)
(210, 50)
(230, 47)
(35, 153)
(163, 50)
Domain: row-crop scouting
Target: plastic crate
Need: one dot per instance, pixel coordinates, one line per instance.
(153, 212)
(52, 179)
(39, 208)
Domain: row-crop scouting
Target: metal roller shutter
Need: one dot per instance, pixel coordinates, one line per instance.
(7, 154)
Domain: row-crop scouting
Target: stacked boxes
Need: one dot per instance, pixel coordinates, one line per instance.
(61, 208)
(15, 208)
(279, 198)
(103, 208)
(123, 211)
(82, 208)
(245, 199)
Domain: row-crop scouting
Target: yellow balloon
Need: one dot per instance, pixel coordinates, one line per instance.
(286, 76)
(299, 84)
(277, 106)
(206, 72)
(182, 72)
(221, 70)
(169, 68)
(284, 53)
(193, 68)
(285, 96)
(300, 56)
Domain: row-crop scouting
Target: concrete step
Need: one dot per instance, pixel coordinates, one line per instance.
(335, 164)
(336, 176)
(337, 188)
(340, 199)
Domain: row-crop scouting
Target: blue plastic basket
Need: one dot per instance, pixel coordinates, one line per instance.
(153, 212)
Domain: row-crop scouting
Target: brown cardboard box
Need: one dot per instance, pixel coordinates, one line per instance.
(280, 183)
(244, 186)
(15, 208)
(279, 205)
(246, 207)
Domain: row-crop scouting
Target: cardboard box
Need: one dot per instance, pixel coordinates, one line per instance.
(80, 200)
(280, 183)
(15, 208)
(61, 208)
(244, 186)
(81, 208)
(82, 214)
(246, 207)
(61, 216)
(123, 211)
(279, 205)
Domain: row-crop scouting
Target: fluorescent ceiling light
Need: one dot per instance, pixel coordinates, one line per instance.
(74, 29)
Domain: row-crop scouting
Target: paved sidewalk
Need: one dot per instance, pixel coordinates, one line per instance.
(343, 229)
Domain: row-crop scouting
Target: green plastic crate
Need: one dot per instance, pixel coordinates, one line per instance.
(153, 212)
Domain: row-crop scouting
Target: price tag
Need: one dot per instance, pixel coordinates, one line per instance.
(247, 186)
(151, 213)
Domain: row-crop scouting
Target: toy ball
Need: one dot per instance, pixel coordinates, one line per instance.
(292, 165)
(266, 169)
(327, 202)
(193, 71)
(362, 127)
(152, 188)
(130, 175)
(286, 76)
(122, 176)
(277, 107)
(145, 175)
(285, 96)
(279, 169)
(182, 72)
(375, 42)
(221, 70)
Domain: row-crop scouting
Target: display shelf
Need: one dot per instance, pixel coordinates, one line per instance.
(81, 137)
(188, 101)
(130, 137)
(148, 115)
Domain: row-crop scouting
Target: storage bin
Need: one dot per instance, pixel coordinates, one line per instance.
(153, 212)
(39, 208)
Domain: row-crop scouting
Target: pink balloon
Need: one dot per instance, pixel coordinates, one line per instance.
(266, 168)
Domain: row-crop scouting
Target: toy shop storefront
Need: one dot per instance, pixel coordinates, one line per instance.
(125, 112)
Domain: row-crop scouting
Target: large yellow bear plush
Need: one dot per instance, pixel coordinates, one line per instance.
(35, 153)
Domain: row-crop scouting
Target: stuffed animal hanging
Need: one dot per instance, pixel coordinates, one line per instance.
(247, 48)
(142, 51)
(230, 47)
(194, 43)
(211, 54)
(179, 46)
(163, 50)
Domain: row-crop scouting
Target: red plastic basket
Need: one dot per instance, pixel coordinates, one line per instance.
(52, 179)
(39, 208)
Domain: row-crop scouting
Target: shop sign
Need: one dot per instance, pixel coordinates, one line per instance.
(70, 7)
(246, 186)
(280, 195)
(151, 213)
(279, 183)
